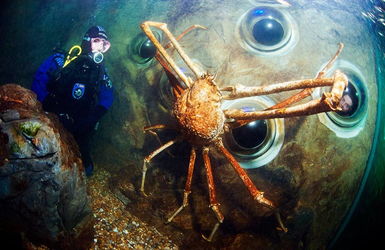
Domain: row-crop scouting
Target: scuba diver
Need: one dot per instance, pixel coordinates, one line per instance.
(77, 88)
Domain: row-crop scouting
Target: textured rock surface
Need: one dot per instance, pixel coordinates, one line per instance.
(42, 183)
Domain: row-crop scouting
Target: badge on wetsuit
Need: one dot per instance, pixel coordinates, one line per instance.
(78, 90)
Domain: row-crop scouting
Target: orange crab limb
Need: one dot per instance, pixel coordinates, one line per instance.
(255, 193)
(158, 126)
(309, 84)
(307, 92)
(243, 91)
(214, 205)
(192, 27)
(146, 29)
(328, 102)
(187, 189)
(148, 158)
(177, 89)
(240, 91)
(150, 129)
(163, 26)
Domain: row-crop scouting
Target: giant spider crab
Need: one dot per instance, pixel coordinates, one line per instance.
(202, 122)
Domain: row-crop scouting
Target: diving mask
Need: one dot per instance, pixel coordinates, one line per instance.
(99, 45)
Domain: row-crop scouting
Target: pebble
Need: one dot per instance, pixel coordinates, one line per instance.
(115, 227)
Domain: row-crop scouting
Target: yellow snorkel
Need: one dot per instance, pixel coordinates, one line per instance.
(72, 55)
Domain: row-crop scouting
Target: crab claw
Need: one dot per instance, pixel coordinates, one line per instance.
(333, 98)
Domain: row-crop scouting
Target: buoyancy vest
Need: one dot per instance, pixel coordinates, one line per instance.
(74, 89)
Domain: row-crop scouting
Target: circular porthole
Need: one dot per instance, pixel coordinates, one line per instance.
(257, 143)
(266, 30)
(141, 49)
(349, 121)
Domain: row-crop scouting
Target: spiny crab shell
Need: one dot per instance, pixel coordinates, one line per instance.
(198, 111)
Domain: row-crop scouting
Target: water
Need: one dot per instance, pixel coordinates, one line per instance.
(366, 218)
(312, 167)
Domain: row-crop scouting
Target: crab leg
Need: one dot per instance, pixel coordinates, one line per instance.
(163, 26)
(307, 92)
(214, 205)
(255, 193)
(328, 102)
(157, 126)
(331, 61)
(146, 29)
(192, 27)
(240, 91)
(187, 189)
(176, 85)
(150, 129)
(148, 158)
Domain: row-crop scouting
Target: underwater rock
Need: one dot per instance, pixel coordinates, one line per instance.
(43, 189)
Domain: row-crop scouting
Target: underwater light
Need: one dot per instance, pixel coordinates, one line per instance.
(351, 119)
(258, 142)
(259, 12)
(267, 30)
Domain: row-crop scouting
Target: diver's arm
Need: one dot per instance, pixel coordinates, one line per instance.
(44, 74)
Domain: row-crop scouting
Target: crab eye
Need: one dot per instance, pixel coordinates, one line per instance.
(258, 142)
(349, 121)
(142, 50)
(266, 30)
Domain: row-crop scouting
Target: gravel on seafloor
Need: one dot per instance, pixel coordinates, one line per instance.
(115, 227)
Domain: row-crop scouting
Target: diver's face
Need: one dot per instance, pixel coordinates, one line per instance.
(99, 45)
(346, 103)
